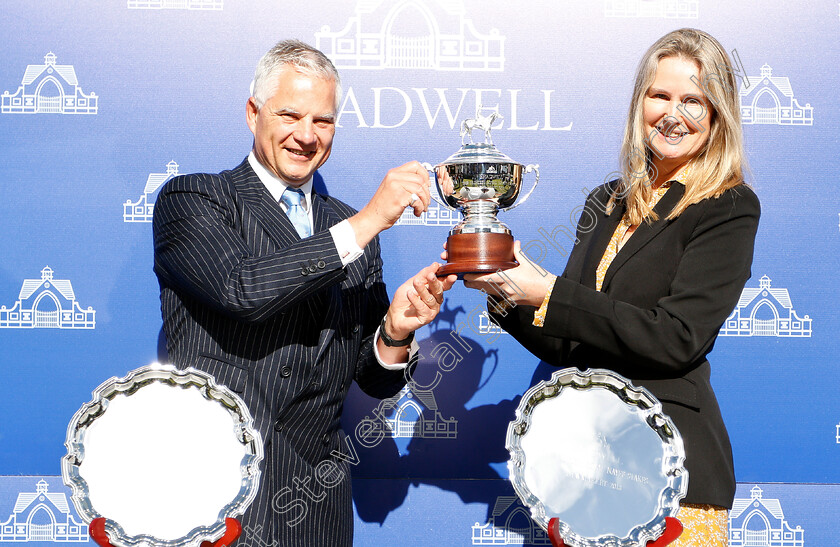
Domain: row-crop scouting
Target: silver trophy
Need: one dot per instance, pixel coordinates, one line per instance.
(478, 180)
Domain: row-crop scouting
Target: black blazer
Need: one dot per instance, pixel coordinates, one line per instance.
(279, 321)
(663, 300)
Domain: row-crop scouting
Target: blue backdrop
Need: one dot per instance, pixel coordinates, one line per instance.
(104, 101)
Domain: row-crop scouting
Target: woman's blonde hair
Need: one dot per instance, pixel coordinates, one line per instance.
(720, 164)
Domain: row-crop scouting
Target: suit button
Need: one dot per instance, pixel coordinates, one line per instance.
(278, 426)
(285, 372)
(355, 328)
(322, 264)
(326, 439)
(304, 271)
(312, 268)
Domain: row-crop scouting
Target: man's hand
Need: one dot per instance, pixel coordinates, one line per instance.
(404, 186)
(416, 303)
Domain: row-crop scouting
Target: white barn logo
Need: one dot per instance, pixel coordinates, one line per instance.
(47, 303)
(765, 311)
(176, 4)
(408, 414)
(49, 88)
(666, 9)
(412, 34)
(42, 516)
(435, 215)
(486, 326)
(759, 522)
(510, 524)
(143, 209)
(769, 99)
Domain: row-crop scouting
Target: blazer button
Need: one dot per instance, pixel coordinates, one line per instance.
(326, 439)
(322, 264)
(312, 268)
(355, 328)
(304, 271)
(285, 372)
(278, 426)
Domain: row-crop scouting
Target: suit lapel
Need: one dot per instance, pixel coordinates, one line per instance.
(645, 232)
(259, 201)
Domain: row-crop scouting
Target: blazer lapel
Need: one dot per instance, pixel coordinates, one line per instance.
(645, 232)
(604, 229)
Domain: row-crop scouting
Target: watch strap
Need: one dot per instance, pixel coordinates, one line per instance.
(390, 342)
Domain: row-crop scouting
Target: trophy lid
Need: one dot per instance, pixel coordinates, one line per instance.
(480, 152)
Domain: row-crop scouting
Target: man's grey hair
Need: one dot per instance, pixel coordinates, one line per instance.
(303, 57)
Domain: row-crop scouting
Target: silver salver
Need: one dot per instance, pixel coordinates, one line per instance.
(164, 455)
(599, 454)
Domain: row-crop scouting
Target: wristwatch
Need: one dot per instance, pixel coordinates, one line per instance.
(390, 342)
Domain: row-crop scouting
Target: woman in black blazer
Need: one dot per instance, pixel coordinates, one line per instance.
(662, 257)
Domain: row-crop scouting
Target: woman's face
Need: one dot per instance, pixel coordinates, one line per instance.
(677, 116)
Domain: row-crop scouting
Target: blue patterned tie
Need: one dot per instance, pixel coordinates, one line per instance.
(300, 219)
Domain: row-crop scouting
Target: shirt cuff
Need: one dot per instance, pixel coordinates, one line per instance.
(345, 242)
(413, 348)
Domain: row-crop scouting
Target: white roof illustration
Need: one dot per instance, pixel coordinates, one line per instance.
(782, 83)
(782, 296)
(63, 286)
(503, 503)
(154, 181)
(25, 499)
(427, 398)
(742, 504)
(31, 285)
(65, 71)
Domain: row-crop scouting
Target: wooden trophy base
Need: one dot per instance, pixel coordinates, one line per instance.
(483, 252)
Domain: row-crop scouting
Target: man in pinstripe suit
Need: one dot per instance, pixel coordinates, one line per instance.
(288, 321)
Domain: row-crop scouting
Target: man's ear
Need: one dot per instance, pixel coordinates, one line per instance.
(251, 113)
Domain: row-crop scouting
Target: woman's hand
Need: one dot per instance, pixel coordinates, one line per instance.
(527, 284)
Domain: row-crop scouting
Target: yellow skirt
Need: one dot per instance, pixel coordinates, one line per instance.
(703, 526)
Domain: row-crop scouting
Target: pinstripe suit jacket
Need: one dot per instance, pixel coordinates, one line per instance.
(279, 321)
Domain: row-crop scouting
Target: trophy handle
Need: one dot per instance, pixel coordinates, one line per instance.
(536, 169)
(428, 167)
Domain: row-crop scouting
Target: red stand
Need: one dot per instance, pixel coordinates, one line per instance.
(673, 529)
(233, 529)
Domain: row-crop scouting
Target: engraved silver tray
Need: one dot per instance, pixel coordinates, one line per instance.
(599, 454)
(165, 455)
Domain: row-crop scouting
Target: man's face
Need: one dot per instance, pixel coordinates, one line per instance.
(294, 129)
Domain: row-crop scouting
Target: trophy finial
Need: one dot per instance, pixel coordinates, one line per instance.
(480, 121)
